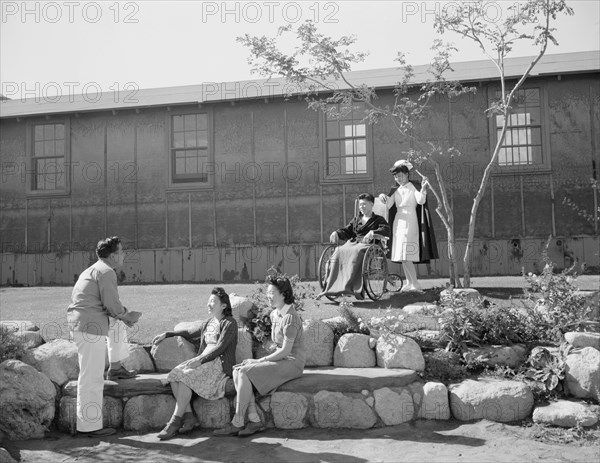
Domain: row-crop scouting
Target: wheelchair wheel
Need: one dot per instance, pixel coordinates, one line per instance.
(394, 283)
(375, 272)
(324, 268)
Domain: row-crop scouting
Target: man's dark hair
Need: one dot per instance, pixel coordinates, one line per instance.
(107, 246)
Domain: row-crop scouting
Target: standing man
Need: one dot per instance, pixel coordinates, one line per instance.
(94, 300)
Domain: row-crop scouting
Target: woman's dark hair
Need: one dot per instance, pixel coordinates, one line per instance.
(107, 246)
(402, 169)
(224, 298)
(284, 286)
(367, 197)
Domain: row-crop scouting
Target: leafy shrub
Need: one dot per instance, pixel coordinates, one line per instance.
(548, 369)
(443, 366)
(11, 346)
(348, 323)
(259, 320)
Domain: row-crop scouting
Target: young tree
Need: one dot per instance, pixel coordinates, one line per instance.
(326, 86)
(530, 22)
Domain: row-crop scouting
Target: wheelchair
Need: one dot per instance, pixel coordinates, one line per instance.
(375, 275)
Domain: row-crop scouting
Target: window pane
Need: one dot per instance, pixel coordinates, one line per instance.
(361, 165)
(39, 132)
(507, 138)
(60, 131)
(348, 148)
(179, 165)
(201, 122)
(502, 156)
(191, 164)
(522, 137)
(333, 129)
(347, 129)
(48, 132)
(360, 146)
(536, 136)
(48, 148)
(534, 116)
(499, 121)
(178, 140)
(189, 122)
(59, 147)
(521, 119)
(360, 130)
(202, 138)
(349, 166)
(39, 149)
(190, 139)
(178, 123)
(536, 155)
(333, 148)
(514, 119)
(520, 155)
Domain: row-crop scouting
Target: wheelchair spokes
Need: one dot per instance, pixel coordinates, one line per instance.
(375, 272)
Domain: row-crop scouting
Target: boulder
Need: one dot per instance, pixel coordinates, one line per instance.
(582, 373)
(212, 413)
(567, 414)
(29, 339)
(394, 406)
(243, 349)
(494, 400)
(510, 356)
(170, 352)
(112, 413)
(318, 340)
(56, 359)
(398, 351)
(146, 412)
(289, 410)
(239, 308)
(337, 410)
(19, 325)
(139, 359)
(435, 404)
(27, 401)
(583, 339)
(353, 350)
(6, 457)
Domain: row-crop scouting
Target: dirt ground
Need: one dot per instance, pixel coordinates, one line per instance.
(419, 441)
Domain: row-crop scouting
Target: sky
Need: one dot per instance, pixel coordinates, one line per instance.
(63, 47)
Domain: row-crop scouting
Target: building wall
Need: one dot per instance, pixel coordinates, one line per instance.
(268, 196)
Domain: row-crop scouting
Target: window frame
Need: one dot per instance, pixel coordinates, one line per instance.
(32, 159)
(345, 178)
(545, 166)
(174, 184)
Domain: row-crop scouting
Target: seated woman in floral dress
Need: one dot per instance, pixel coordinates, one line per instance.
(206, 374)
(267, 373)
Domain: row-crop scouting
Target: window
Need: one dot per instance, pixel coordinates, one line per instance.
(346, 146)
(523, 145)
(49, 153)
(190, 148)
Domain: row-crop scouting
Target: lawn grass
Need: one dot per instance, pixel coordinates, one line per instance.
(163, 306)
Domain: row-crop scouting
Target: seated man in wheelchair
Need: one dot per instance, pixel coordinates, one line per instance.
(345, 266)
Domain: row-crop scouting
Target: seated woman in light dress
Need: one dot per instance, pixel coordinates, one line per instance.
(207, 373)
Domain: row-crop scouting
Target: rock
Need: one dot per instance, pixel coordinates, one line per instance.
(56, 359)
(112, 414)
(318, 340)
(139, 359)
(467, 293)
(289, 410)
(171, 352)
(337, 410)
(372, 343)
(29, 339)
(567, 414)
(495, 400)
(353, 350)
(27, 401)
(146, 412)
(6, 457)
(510, 356)
(435, 404)
(212, 413)
(190, 327)
(394, 407)
(398, 351)
(239, 308)
(583, 339)
(243, 349)
(582, 373)
(421, 308)
(19, 325)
